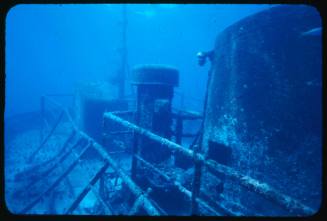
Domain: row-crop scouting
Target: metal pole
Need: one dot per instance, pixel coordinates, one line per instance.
(197, 149)
(121, 75)
(196, 182)
(135, 149)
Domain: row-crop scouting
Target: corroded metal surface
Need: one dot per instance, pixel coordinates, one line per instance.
(264, 104)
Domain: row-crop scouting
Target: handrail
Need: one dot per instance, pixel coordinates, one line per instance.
(292, 205)
(104, 203)
(49, 135)
(177, 184)
(89, 186)
(56, 163)
(56, 182)
(287, 202)
(135, 189)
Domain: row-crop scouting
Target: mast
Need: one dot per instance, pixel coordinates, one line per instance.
(122, 74)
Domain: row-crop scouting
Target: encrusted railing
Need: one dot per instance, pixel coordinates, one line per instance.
(142, 199)
(265, 190)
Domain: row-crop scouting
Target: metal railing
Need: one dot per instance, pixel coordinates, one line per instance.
(142, 199)
(291, 205)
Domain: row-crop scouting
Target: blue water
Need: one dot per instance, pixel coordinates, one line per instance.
(49, 48)
(249, 124)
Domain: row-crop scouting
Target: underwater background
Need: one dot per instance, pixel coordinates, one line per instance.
(254, 106)
(50, 48)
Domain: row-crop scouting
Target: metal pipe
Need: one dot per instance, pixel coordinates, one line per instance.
(292, 205)
(149, 134)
